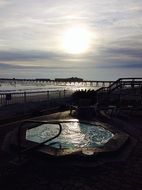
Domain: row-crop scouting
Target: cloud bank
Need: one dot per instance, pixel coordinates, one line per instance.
(31, 33)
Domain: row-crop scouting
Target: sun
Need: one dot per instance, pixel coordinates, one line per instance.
(76, 40)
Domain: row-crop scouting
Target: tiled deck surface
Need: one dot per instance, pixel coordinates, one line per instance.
(42, 176)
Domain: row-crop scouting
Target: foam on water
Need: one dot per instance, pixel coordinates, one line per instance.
(74, 134)
(8, 87)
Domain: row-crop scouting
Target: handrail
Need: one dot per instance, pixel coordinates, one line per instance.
(102, 89)
(37, 145)
(119, 82)
(113, 84)
(130, 78)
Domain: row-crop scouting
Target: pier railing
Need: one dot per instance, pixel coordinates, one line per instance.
(32, 96)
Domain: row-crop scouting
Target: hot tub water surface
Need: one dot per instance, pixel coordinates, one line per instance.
(73, 135)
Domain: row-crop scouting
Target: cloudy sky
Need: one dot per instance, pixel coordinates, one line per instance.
(32, 35)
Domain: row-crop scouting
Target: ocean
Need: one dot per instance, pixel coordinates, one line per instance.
(6, 87)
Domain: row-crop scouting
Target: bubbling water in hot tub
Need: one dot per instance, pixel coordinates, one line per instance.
(73, 135)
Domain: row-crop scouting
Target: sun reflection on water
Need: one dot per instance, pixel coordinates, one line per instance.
(74, 134)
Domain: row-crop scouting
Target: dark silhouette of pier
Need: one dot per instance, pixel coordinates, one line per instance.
(59, 82)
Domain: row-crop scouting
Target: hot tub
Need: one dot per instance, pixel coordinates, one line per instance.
(74, 134)
(76, 137)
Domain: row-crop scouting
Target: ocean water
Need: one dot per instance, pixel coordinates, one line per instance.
(23, 87)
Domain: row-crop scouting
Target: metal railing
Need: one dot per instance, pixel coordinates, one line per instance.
(126, 82)
(21, 151)
(32, 96)
(129, 89)
(122, 83)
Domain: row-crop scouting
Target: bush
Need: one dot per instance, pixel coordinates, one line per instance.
(85, 94)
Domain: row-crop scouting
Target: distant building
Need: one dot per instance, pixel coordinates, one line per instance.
(72, 79)
(42, 79)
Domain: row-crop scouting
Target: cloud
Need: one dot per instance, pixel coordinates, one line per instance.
(4, 3)
(7, 66)
(26, 55)
(38, 55)
(31, 32)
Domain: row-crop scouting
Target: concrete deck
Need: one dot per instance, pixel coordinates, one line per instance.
(43, 175)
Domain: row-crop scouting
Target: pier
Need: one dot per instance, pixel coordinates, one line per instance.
(24, 96)
(57, 82)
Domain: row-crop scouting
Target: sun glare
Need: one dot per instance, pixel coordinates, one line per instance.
(76, 40)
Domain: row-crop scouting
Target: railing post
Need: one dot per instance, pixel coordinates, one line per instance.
(59, 94)
(25, 97)
(64, 93)
(133, 83)
(25, 100)
(141, 94)
(1, 99)
(48, 95)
